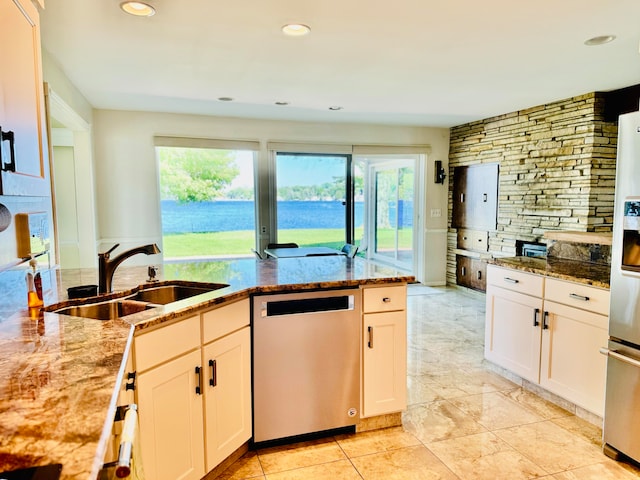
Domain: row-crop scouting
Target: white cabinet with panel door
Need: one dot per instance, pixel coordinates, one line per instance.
(23, 145)
(227, 385)
(169, 397)
(384, 379)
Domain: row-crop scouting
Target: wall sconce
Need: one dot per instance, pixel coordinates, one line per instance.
(440, 175)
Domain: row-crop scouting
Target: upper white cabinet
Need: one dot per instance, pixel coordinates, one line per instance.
(549, 331)
(24, 153)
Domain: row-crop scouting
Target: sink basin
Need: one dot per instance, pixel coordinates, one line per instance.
(105, 310)
(165, 294)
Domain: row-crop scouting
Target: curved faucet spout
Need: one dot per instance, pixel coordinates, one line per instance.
(107, 267)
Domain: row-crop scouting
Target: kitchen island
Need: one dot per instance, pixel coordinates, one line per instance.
(61, 374)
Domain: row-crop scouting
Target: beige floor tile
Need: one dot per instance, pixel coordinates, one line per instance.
(377, 441)
(581, 428)
(484, 456)
(536, 404)
(494, 411)
(246, 467)
(339, 470)
(411, 463)
(551, 446)
(600, 471)
(298, 455)
(439, 420)
(420, 389)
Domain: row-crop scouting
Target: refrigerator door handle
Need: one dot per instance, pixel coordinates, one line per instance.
(618, 356)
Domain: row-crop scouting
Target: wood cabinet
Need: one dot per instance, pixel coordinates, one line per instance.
(384, 365)
(471, 272)
(475, 196)
(194, 391)
(22, 116)
(535, 329)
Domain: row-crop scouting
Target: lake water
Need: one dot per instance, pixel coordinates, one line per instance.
(230, 215)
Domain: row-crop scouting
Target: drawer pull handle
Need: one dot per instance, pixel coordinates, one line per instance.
(213, 381)
(370, 343)
(462, 197)
(479, 274)
(386, 300)
(463, 271)
(575, 296)
(536, 312)
(511, 280)
(198, 381)
(484, 197)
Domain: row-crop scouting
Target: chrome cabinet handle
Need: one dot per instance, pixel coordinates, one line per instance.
(575, 296)
(370, 343)
(511, 280)
(198, 381)
(536, 312)
(213, 381)
(463, 271)
(622, 358)
(462, 197)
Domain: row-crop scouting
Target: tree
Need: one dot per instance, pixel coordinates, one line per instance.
(195, 174)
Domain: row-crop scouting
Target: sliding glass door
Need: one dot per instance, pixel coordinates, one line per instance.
(314, 199)
(392, 199)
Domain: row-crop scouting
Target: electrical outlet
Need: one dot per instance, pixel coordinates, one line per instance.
(436, 212)
(263, 229)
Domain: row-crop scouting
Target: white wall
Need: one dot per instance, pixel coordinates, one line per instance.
(127, 182)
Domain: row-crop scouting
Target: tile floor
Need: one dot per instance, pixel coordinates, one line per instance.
(462, 422)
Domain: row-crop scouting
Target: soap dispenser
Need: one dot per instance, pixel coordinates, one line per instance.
(34, 286)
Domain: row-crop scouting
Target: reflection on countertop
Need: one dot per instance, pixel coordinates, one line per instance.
(595, 274)
(59, 373)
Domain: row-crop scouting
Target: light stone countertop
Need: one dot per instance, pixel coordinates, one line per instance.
(60, 374)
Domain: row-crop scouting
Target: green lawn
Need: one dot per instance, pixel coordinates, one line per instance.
(241, 242)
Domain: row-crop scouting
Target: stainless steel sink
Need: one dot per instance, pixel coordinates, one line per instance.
(145, 298)
(165, 294)
(106, 310)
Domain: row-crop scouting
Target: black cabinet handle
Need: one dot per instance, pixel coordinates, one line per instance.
(198, 381)
(131, 385)
(575, 296)
(213, 381)
(479, 274)
(536, 322)
(545, 321)
(370, 343)
(8, 137)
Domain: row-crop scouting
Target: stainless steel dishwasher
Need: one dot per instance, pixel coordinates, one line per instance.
(306, 363)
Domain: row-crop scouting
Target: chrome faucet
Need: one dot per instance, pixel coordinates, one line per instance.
(106, 267)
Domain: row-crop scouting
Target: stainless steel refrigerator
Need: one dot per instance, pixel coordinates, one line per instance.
(622, 402)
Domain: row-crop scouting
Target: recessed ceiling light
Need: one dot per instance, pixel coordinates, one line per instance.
(296, 29)
(335, 108)
(225, 99)
(601, 40)
(282, 103)
(139, 9)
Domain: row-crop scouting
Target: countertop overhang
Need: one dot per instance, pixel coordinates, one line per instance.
(61, 374)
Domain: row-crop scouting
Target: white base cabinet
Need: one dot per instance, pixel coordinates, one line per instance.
(384, 359)
(549, 332)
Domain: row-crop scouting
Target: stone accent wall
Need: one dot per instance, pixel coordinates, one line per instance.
(557, 170)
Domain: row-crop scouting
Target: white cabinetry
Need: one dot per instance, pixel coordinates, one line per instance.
(384, 346)
(227, 390)
(193, 390)
(21, 102)
(548, 331)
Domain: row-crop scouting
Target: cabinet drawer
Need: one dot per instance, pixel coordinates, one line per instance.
(225, 320)
(165, 343)
(578, 295)
(384, 299)
(474, 240)
(515, 280)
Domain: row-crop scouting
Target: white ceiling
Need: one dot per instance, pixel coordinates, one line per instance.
(406, 62)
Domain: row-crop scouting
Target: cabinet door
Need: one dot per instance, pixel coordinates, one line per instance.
(170, 416)
(475, 196)
(21, 102)
(227, 395)
(512, 331)
(384, 363)
(471, 272)
(571, 364)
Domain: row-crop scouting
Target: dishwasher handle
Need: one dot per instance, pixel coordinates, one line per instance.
(618, 356)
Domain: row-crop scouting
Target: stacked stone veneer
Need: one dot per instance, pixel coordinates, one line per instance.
(557, 170)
